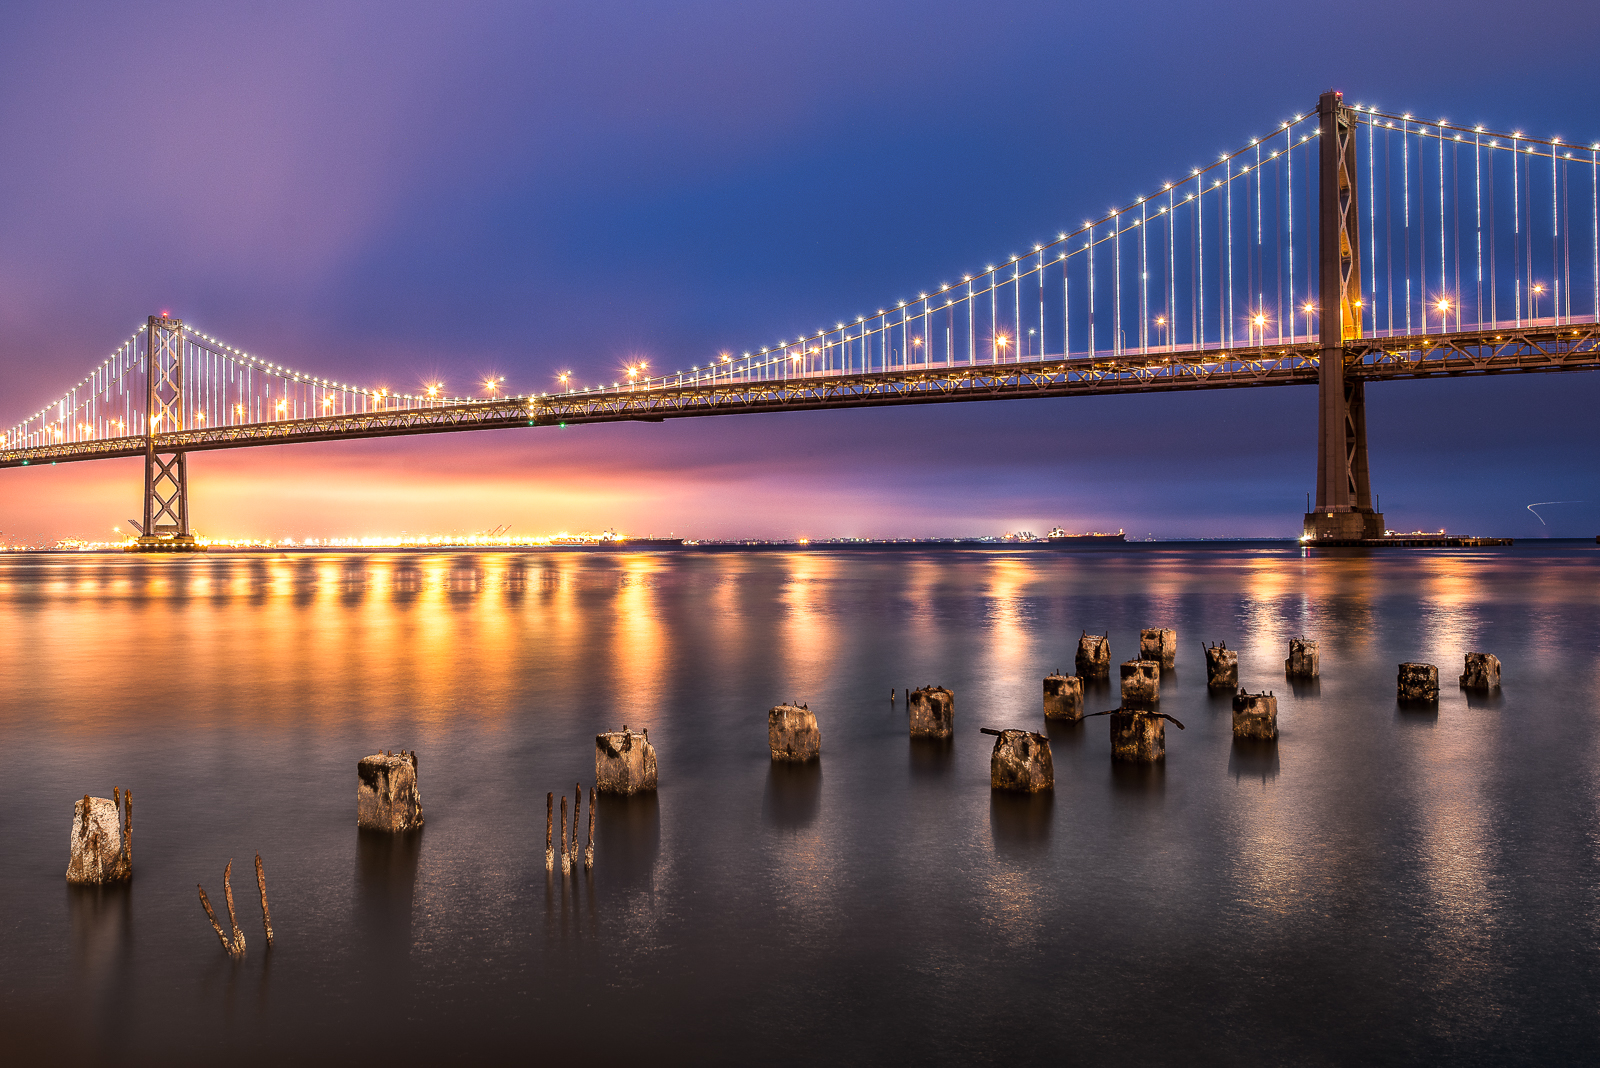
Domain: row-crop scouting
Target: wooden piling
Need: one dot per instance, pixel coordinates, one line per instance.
(266, 913)
(588, 850)
(549, 831)
(566, 858)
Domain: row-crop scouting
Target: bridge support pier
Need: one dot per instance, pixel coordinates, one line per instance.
(166, 475)
(1343, 510)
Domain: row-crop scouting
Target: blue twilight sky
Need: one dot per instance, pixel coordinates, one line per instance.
(390, 192)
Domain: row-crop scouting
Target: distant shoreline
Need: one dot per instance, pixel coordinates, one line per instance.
(844, 545)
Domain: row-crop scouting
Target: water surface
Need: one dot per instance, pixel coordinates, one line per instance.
(1380, 886)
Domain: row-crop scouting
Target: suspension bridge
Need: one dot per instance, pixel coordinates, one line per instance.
(1347, 245)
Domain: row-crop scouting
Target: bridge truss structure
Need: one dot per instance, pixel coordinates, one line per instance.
(1349, 246)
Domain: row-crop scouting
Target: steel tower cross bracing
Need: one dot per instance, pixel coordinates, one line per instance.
(166, 473)
(1343, 507)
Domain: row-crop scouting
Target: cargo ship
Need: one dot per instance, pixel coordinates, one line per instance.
(1059, 536)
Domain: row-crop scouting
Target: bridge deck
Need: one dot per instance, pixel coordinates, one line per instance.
(1546, 346)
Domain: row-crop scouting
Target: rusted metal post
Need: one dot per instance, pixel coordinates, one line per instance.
(566, 858)
(588, 850)
(211, 915)
(266, 913)
(233, 919)
(577, 809)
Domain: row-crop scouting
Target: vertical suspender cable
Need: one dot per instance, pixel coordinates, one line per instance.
(1172, 269)
(1372, 231)
(1477, 189)
(1200, 269)
(1227, 330)
(1116, 284)
(1516, 229)
(1091, 290)
(1288, 151)
(1444, 278)
(1144, 278)
(1405, 158)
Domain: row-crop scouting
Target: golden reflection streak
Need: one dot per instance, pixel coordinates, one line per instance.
(808, 636)
(639, 640)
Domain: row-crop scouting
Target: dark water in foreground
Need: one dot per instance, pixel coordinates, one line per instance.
(1383, 886)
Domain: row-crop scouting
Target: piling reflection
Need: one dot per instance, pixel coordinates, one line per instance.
(1065, 733)
(1254, 758)
(1417, 713)
(627, 835)
(102, 938)
(1480, 699)
(386, 884)
(1138, 781)
(1020, 823)
(1304, 687)
(1099, 692)
(794, 794)
(932, 758)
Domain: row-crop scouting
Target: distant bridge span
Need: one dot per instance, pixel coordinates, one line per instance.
(1461, 253)
(1531, 348)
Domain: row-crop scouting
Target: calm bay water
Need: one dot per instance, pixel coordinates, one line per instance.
(1382, 886)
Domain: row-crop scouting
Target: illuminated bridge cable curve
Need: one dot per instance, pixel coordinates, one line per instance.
(224, 387)
(1412, 247)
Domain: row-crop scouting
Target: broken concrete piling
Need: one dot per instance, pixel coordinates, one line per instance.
(1255, 715)
(1021, 761)
(1222, 668)
(1141, 683)
(1482, 672)
(1418, 683)
(1302, 662)
(1094, 656)
(1138, 735)
(932, 712)
(624, 762)
(1063, 697)
(1160, 645)
(101, 851)
(387, 798)
(792, 733)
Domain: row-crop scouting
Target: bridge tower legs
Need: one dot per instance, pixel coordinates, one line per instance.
(166, 475)
(1343, 510)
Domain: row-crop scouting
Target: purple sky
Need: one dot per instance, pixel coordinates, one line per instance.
(391, 192)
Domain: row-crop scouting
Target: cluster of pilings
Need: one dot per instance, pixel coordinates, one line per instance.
(1418, 684)
(389, 801)
(569, 848)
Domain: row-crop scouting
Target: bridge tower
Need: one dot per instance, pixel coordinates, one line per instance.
(166, 474)
(1343, 510)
